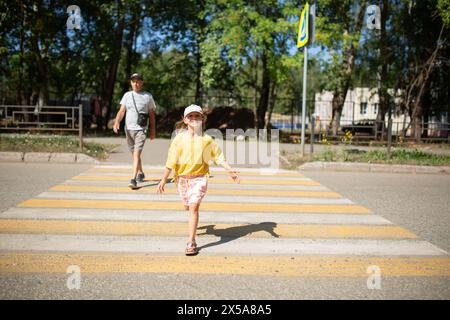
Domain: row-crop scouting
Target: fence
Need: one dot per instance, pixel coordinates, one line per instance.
(357, 118)
(15, 118)
(400, 131)
(360, 122)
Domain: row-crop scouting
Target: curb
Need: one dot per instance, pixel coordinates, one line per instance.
(372, 167)
(44, 157)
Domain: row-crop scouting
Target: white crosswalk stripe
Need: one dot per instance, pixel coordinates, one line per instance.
(305, 222)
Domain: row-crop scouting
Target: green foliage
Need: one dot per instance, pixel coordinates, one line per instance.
(443, 8)
(328, 155)
(339, 30)
(244, 49)
(168, 75)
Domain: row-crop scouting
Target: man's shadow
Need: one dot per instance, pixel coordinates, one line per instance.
(233, 233)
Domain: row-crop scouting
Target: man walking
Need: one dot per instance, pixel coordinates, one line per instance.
(139, 107)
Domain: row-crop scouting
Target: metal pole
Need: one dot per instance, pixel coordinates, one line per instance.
(292, 116)
(312, 135)
(353, 116)
(305, 74)
(80, 114)
(389, 139)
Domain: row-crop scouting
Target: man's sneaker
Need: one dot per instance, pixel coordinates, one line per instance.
(133, 184)
(140, 177)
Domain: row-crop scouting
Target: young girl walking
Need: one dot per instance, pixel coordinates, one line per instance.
(189, 154)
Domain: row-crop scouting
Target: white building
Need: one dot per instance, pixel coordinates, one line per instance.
(360, 104)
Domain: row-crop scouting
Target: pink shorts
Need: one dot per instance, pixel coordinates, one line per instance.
(192, 189)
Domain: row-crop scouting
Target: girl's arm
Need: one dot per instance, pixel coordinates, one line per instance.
(162, 183)
(219, 158)
(172, 160)
(231, 172)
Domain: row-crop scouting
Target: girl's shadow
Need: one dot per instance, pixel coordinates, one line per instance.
(232, 233)
(156, 182)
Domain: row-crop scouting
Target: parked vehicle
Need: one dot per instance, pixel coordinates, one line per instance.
(362, 126)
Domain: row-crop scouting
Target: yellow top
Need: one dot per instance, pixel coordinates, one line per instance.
(190, 155)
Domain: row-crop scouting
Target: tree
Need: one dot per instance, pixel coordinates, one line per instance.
(43, 23)
(339, 24)
(422, 52)
(185, 24)
(258, 33)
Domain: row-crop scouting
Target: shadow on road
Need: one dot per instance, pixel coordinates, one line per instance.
(233, 233)
(156, 182)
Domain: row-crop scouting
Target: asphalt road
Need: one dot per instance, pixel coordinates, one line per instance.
(21, 181)
(419, 203)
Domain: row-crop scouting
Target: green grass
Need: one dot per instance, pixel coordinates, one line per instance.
(66, 144)
(402, 156)
(399, 156)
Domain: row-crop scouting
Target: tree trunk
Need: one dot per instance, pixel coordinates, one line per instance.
(348, 65)
(413, 98)
(426, 119)
(383, 105)
(417, 123)
(337, 105)
(40, 58)
(448, 125)
(273, 98)
(265, 91)
(20, 98)
(255, 92)
(199, 90)
(134, 27)
(43, 73)
(108, 91)
(198, 80)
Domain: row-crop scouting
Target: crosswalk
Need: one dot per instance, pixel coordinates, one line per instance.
(275, 224)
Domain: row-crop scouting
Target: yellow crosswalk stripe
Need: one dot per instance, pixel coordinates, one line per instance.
(211, 180)
(211, 206)
(242, 265)
(259, 230)
(210, 261)
(169, 190)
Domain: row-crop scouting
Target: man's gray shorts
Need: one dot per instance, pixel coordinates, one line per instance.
(135, 139)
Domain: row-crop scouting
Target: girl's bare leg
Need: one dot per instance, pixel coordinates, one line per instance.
(193, 221)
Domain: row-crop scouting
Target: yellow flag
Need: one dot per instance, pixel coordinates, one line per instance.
(303, 27)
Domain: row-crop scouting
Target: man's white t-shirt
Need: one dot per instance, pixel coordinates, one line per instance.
(144, 103)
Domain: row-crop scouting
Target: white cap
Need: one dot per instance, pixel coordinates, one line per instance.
(193, 108)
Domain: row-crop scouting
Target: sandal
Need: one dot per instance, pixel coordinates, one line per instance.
(191, 249)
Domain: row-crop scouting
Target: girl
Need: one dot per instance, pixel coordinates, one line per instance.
(188, 155)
